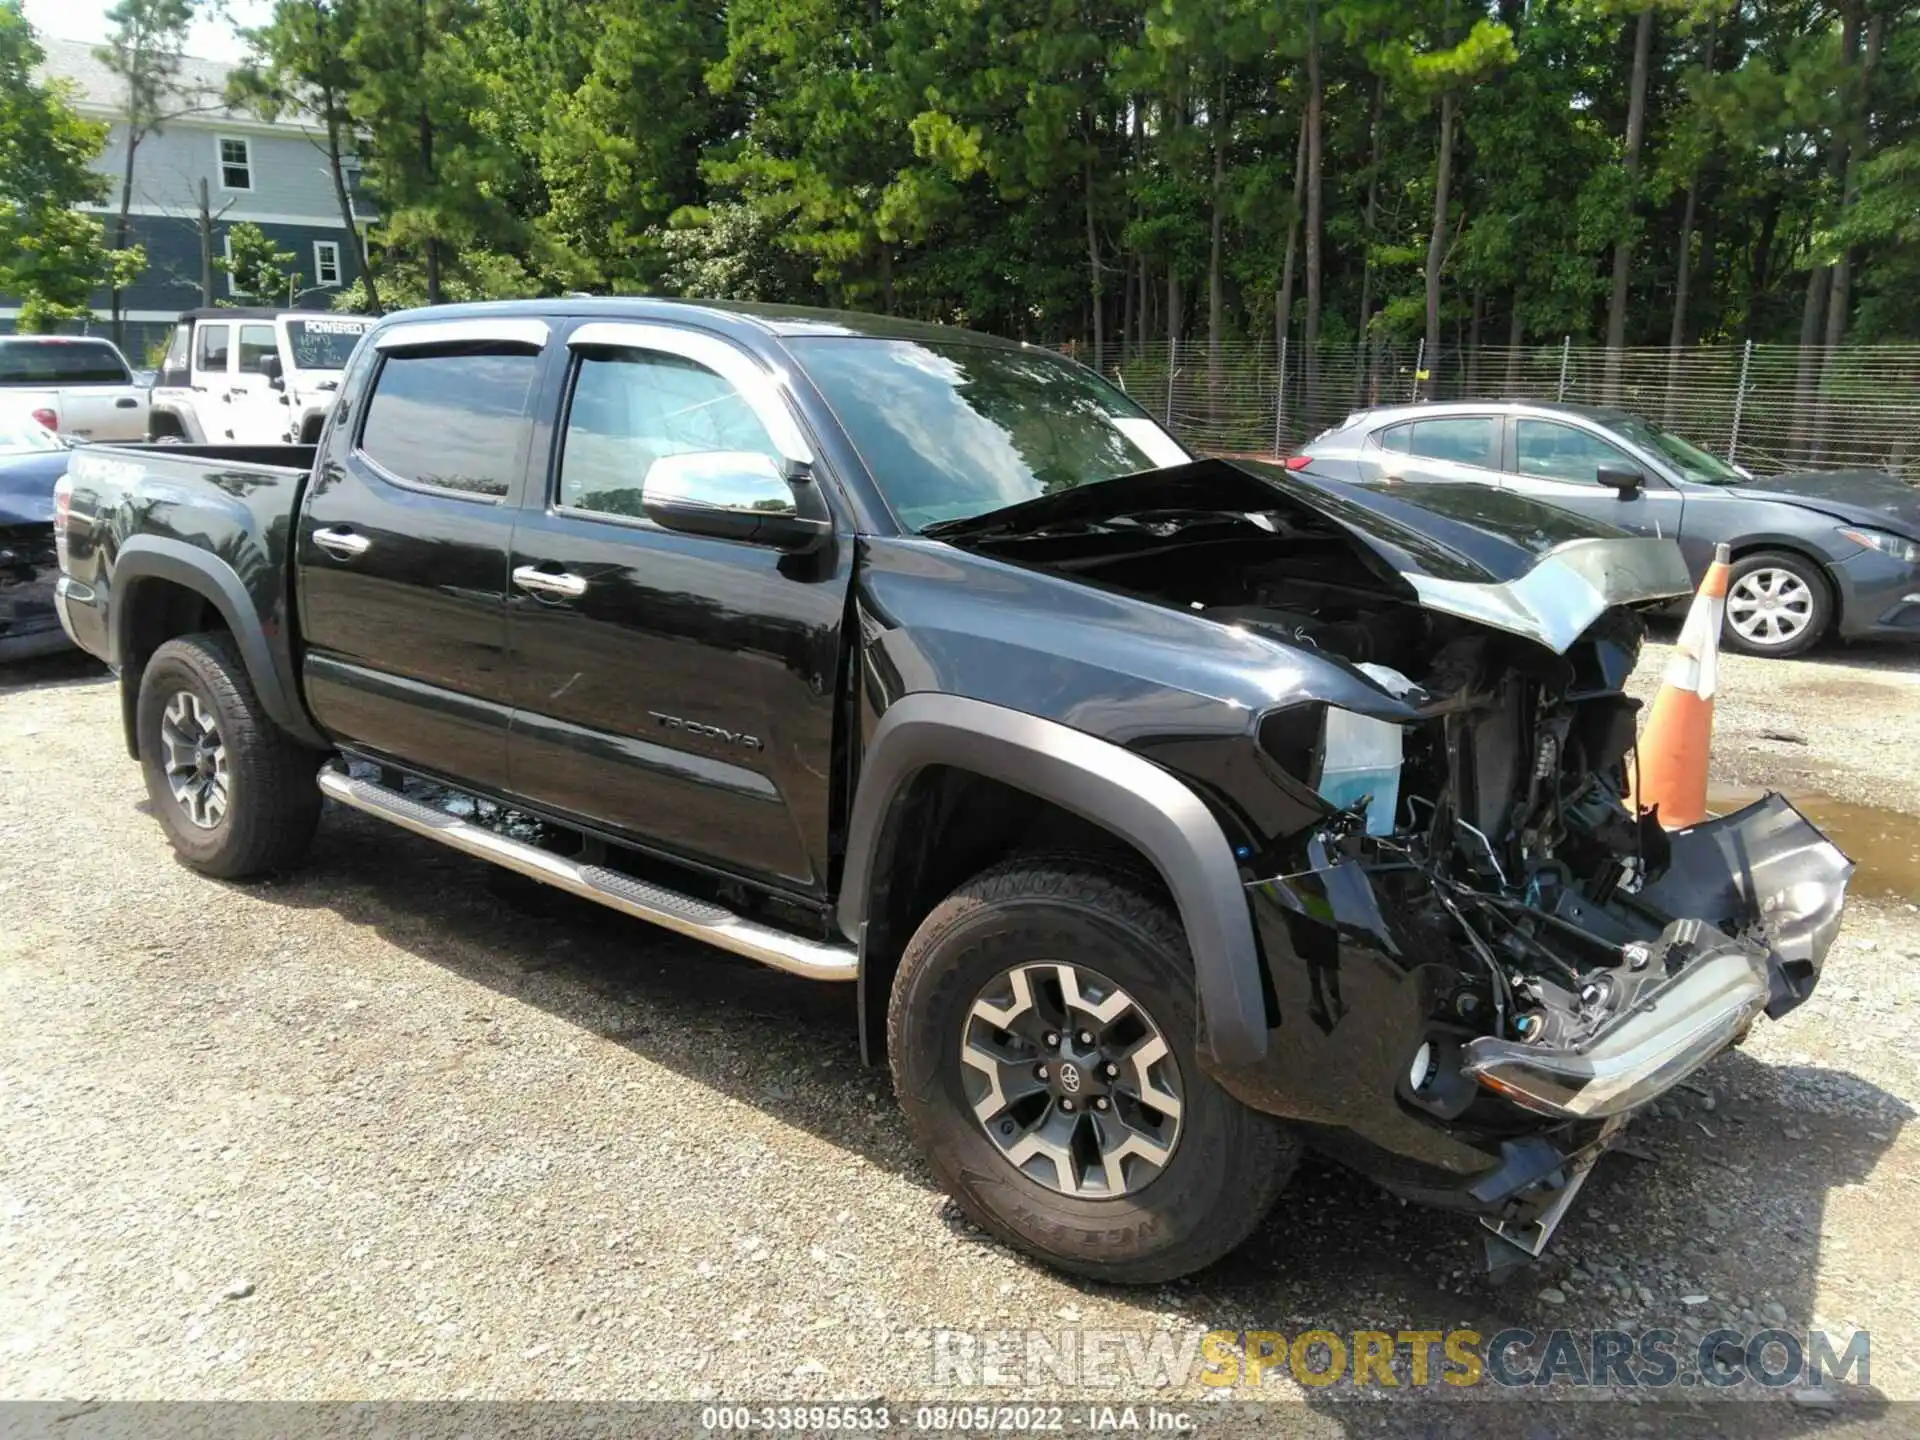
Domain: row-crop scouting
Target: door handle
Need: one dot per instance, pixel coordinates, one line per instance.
(544, 582)
(126, 402)
(342, 544)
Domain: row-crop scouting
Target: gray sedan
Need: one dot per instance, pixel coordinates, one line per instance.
(1817, 553)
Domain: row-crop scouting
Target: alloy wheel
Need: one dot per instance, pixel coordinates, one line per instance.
(196, 759)
(1770, 606)
(1072, 1080)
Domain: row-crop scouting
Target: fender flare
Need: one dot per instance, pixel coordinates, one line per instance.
(159, 557)
(1103, 783)
(188, 418)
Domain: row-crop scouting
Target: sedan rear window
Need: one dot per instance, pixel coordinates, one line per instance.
(56, 361)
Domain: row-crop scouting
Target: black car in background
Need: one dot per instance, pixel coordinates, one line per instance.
(1815, 554)
(32, 460)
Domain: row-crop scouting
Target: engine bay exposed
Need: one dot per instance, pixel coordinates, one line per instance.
(1477, 823)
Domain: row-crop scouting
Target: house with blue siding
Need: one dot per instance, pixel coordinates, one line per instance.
(271, 174)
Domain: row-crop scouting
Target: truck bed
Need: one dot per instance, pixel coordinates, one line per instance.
(210, 522)
(230, 457)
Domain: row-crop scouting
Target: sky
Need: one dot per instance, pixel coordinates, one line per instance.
(215, 34)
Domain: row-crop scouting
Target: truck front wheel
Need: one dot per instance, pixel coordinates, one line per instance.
(236, 794)
(1042, 1030)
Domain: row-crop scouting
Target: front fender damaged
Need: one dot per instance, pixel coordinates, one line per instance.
(1518, 962)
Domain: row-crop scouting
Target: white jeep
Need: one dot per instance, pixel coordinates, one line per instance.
(251, 376)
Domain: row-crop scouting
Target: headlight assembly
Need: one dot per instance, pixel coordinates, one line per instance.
(1893, 546)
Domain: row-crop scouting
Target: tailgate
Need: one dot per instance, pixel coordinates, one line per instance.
(105, 412)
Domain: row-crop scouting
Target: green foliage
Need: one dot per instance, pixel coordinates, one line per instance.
(730, 252)
(144, 50)
(257, 264)
(1022, 165)
(51, 256)
(301, 68)
(473, 275)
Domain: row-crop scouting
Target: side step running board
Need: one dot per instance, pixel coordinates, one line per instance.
(815, 959)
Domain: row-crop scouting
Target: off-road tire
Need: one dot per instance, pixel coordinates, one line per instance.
(1819, 616)
(1229, 1161)
(273, 797)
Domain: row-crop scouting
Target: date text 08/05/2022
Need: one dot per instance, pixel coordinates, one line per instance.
(961, 1418)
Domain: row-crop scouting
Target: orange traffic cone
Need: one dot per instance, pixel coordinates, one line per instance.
(1671, 758)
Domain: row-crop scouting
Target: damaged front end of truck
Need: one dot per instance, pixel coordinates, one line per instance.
(1492, 955)
(1480, 957)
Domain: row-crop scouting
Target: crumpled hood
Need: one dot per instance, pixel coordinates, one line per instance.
(1861, 497)
(1469, 550)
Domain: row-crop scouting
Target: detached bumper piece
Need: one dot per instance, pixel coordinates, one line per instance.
(1699, 987)
(1664, 1037)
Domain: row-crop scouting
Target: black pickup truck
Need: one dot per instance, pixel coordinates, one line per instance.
(1167, 814)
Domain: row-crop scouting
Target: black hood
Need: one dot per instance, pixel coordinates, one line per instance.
(1863, 497)
(1469, 550)
(1473, 534)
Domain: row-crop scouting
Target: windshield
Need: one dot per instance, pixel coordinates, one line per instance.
(954, 429)
(61, 362)
(1689, 459)
(324, 344)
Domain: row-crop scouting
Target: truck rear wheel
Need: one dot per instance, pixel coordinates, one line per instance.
(1042, 1030)
(236, 794)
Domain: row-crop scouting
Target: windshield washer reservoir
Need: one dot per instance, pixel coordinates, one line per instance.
(1361, 756)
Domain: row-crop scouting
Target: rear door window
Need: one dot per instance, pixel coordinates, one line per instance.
(452, 422)
(1464, 440)
(212, 354)
(256, 342)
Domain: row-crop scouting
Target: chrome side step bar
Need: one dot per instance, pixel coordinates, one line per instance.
(816, 959)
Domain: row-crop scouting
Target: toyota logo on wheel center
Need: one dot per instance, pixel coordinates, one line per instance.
(1070, 1078)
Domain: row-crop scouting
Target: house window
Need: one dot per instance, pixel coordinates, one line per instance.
(326, 262)
(236, 163)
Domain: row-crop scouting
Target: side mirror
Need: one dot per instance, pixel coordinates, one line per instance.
(269, 366)
(1627, 482)
(735, 495)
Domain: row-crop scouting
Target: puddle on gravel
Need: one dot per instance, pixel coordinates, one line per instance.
(1885, 844)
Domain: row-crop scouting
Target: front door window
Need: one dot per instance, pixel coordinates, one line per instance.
(1550, 450)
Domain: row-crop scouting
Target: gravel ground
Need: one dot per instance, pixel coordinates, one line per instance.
(389, 1128)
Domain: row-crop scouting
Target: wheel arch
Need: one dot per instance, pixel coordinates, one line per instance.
(1100, 784)
(172, 420)
(164, 588)
(1749, 545)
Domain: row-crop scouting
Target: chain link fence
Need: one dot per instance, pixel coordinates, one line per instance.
(1771, 408)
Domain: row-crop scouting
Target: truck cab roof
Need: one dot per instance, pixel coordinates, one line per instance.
(739, 317)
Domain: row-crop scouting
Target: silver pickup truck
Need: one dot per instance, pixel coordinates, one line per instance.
(77, 385)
